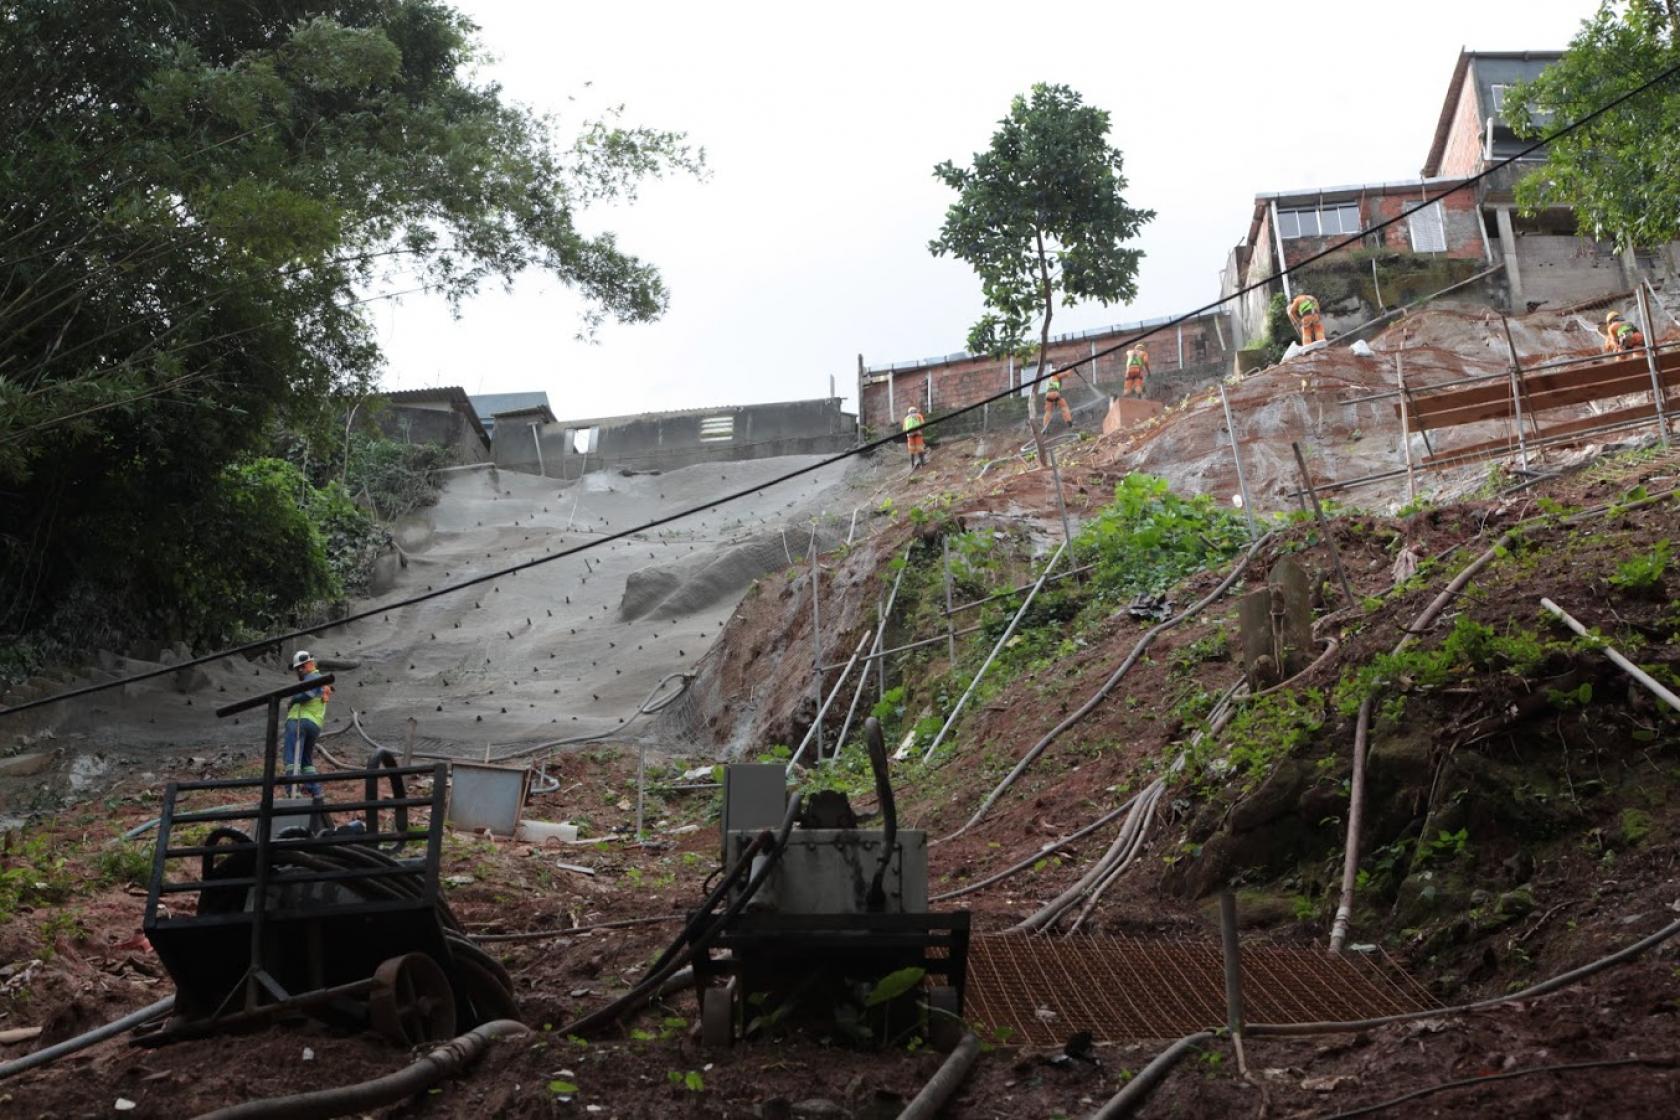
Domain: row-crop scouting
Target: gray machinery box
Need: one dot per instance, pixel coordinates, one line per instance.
(829, 870)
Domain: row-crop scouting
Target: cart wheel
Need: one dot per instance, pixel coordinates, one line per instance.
(945, 1024)
(410, 1002)
(717, 1017)
(481, 990)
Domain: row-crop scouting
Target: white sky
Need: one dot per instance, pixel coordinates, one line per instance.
(808, 244)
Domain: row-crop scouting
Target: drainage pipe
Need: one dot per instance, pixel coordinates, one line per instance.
(1101, 694)
(1355, 817)
(322, 1104)
(945, 1082)
(996, 649)
(815, 730)
(83, 1041)
(874, 650)
(1048, 849)
(1137, 1090)
(1623, 663)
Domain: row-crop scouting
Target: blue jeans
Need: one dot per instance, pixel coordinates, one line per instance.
(300, 737)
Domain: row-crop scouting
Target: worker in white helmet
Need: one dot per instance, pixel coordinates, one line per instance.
(304, 718)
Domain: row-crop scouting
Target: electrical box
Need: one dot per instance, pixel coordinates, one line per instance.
(829, 871)
(755, 797)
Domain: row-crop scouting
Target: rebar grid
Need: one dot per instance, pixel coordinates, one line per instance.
(1041, 990)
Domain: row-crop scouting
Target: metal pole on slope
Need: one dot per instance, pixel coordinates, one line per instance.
(885, 612)
(1516, 393)
(1658, 392)
(996, 649)
(1061, 503)
(1233, 974)
(950, 627)
(816, 638)
(1323, 525)
(1405, 426)
(1236, 456)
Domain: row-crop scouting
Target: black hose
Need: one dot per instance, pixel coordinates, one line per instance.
(1567, 1067)
(323, 1104)
(1137, 1090)
(877, 748)
(945, 1082)
(83, 1041)
(651, 984)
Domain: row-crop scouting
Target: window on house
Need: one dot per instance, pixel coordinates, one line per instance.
(1334, 220)
(1499, 100)
(1429, 229)
(717, 429)
(584, 439)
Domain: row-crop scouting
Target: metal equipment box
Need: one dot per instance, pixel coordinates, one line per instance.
(829, 871)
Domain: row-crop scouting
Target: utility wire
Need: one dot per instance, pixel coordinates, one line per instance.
(861, 449)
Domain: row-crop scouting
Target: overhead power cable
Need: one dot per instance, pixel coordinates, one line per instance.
(861, 449)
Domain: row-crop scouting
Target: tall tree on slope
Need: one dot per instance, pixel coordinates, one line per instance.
(195, 197)
(1040, 215)
(1619, 172)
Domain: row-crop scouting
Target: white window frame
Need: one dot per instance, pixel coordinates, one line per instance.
(583, 441)
(1292, 217)
(1431, 219)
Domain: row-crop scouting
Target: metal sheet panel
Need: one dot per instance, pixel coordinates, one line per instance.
(484, 796)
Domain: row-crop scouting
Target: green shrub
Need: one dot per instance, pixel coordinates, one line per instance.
(1149, 538)
(1644, 572)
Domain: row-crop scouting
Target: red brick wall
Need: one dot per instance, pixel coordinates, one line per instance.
(1462, 156)
(1461, 211)
(970, 380)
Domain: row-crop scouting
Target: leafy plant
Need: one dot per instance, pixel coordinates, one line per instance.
(1442, 848)
(692, 1081)
(1643, 572)
(895, 984)
(1149, 538)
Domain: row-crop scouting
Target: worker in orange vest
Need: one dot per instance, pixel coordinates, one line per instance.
(1308, 320)
(1137, 368)
(1052, 399)
(913, 437)
(1620, 335)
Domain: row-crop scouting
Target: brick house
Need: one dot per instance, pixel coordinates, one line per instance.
(1546, 261)
(1471, 245)
(1179, 358)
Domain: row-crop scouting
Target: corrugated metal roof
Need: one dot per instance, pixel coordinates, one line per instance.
(488, 404)
(454, 395)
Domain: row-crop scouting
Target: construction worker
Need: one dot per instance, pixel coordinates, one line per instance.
(1137, 368)
(913, 437)
(1052, 398)
(304, 718)
(1308, 321)
(1620, 335)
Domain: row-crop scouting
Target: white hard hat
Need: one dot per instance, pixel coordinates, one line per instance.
(301, 658)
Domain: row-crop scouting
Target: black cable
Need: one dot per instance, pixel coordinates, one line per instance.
(1366, 1110)
(515, 569)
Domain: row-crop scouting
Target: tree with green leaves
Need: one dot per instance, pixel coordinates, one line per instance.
(1617, 173)
(1042, 215)
(196, 199)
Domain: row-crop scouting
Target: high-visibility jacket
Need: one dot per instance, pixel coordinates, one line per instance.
(311, 705)
(913, 421)
(1620, 332)
(1304, 306)
(1136, 359)
(1054, 385)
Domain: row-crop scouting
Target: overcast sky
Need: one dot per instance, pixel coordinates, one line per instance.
(808, 244)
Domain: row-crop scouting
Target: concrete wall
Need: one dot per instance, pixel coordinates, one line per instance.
(666, 441)
(1197, 346)
(1560, 270)
(430, 422)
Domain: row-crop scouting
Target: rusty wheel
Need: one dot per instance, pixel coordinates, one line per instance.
(411, 1002)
